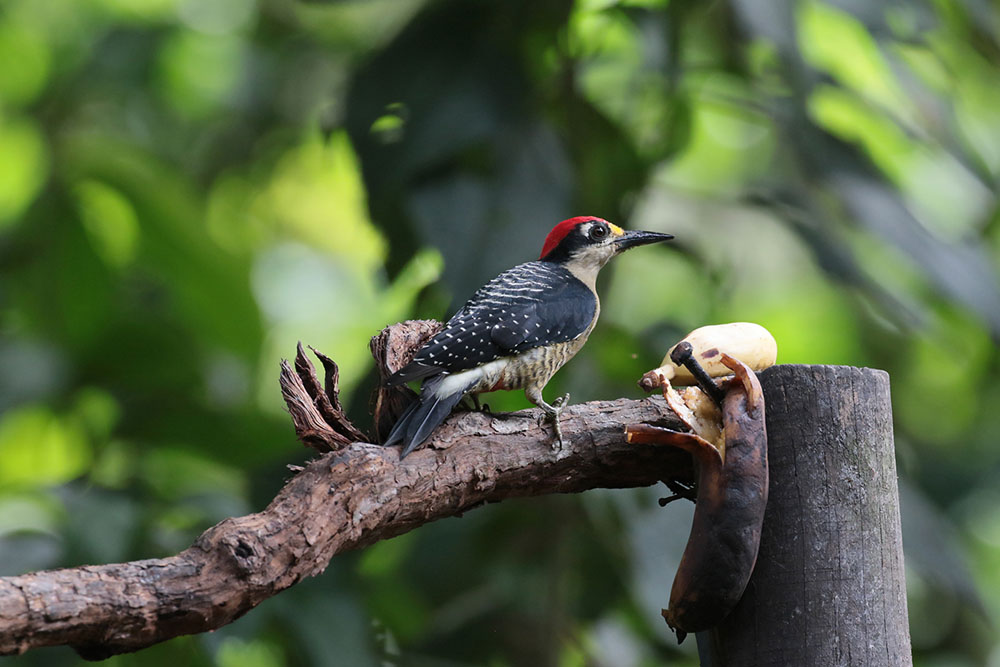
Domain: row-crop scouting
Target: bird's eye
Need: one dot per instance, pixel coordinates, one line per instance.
(598, 232)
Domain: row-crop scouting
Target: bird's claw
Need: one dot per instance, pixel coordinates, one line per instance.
(481, 407)
(557, 442)
(557, 407)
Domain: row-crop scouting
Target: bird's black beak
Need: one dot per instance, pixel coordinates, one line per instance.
(632, 239)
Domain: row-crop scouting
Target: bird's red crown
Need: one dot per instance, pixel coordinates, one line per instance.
(560, 231)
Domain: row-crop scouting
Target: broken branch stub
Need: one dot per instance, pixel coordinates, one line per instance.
(310, 427)
(394, 347)
(331, 379)
(316, 413)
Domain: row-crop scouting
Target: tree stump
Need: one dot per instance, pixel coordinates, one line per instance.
(828, 588)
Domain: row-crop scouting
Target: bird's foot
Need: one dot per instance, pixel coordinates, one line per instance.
(471, 404)
(553, 413)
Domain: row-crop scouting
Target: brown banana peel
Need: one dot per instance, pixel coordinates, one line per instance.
(732, 493)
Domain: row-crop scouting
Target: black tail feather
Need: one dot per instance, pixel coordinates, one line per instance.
(427, 418)
(419, 420)
(399, 428)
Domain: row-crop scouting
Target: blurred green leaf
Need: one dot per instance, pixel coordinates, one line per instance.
(236, 652)
(140, 11)
(25, 168)
(19, 44)
(174, 474)
(198, 274)
(315, 194)
(200, 73)
(188, 189)
(114, 465)
(29, 511)
(218, 18)
(97, 412)
(834, 40)
(110, 222)
(359, 25)
(954, 354)
(38, 447)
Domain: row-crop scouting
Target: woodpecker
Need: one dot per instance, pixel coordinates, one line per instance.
(517, 330)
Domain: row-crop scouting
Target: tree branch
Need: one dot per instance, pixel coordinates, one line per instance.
(343, 500)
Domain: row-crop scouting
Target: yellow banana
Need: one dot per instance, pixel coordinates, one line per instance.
(750, 343)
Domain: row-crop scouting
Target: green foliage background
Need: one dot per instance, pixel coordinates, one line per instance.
(187, 188)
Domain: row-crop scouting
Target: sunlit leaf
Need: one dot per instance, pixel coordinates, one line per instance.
(948, 198)
(833, 40)
(316, 194)
(924, 63)
(848, 116)
(174, 473)
(110, 222)
(24, 167)
(593, 32)
(200, 73)
(139, 11)
(38, 447)
(235, 652)
(971, 91)
(811, 320)
(21, 83)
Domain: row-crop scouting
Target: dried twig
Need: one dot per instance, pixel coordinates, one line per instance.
(319, 419)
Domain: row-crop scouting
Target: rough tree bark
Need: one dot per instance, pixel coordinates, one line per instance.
(828, 588)
(343, 500)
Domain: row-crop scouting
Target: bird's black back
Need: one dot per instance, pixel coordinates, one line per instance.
(528, 306)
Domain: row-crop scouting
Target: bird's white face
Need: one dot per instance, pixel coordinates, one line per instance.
(584, 245)
(597, 243)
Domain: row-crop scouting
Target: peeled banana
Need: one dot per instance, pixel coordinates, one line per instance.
(748, 342)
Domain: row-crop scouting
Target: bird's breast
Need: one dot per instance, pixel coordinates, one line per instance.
(534, 367)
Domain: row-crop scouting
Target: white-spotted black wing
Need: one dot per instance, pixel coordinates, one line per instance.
(528, 306)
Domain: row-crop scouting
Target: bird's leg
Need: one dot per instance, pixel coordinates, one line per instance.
(552, 412)
(481, 407)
